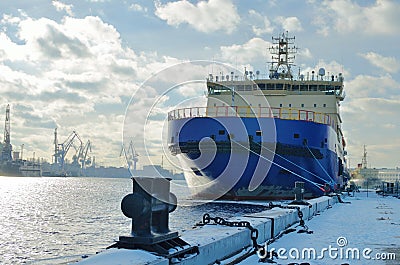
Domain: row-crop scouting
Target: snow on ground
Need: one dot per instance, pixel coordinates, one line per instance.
(367, 231)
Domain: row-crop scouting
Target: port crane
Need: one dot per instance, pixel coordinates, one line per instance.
(83, 157)
(130, 155)
(7, 147)
(61, 150)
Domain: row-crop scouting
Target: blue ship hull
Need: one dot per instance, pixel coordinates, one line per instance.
(256, 158)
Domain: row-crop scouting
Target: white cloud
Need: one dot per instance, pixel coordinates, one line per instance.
(291, 24)
(389, 64)
(322, 25)
(370, 116)
(138, 8)
(74, 74)
(205, 16)
(366, 86)
(374, 122)
(10, 50)
(305, 53)
(8, 19)
(265, 27)
(379, 18)
(63, 7)
(247, 52)
(192, 89)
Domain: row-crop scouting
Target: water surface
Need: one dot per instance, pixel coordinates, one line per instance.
(49, 220)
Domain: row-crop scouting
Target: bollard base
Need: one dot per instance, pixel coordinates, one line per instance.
(146, 240)
(166, 245)
(298, 202)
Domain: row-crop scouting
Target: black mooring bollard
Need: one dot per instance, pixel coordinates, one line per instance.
(299, 190)
(164, 202)
(149, 206)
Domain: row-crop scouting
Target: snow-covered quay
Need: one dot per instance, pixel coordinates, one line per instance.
(364, 229)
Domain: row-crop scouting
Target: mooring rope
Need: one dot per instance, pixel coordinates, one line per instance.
(291, 162)
(290, 171)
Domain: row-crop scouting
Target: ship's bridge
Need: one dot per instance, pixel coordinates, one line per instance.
(334, 87)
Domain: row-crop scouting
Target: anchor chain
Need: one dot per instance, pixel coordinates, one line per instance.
(221, 221)
(261, 250)
(299, 214)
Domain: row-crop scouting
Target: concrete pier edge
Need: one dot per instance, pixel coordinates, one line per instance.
(217, 242)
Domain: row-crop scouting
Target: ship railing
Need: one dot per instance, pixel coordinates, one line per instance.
(255, 112)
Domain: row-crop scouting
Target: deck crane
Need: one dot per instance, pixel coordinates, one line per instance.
(130, 155)
(62, 149)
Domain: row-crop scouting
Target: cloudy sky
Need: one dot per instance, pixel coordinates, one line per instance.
(75, 65)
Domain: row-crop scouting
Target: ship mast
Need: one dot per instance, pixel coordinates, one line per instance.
(364, 159)
(283, 53)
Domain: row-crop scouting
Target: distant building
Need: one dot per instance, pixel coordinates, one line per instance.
(375, 176)
(364, 176)
(389, 174)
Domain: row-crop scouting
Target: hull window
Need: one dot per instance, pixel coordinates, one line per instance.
(196, 171)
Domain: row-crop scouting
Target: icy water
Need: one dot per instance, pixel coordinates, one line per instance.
(52, 220)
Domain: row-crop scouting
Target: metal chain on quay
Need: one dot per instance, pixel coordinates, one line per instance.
(221, 221)
(299, 214)
(253, 233)
(256, 248)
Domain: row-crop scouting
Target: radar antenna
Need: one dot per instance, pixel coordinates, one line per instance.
(283, 53)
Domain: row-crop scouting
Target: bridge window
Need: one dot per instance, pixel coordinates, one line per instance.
(248, 88)
(221, 132)
(303, 87)
(258, 133)
(296, 135)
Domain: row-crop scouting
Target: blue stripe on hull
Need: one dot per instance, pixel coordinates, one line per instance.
(294, 139)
